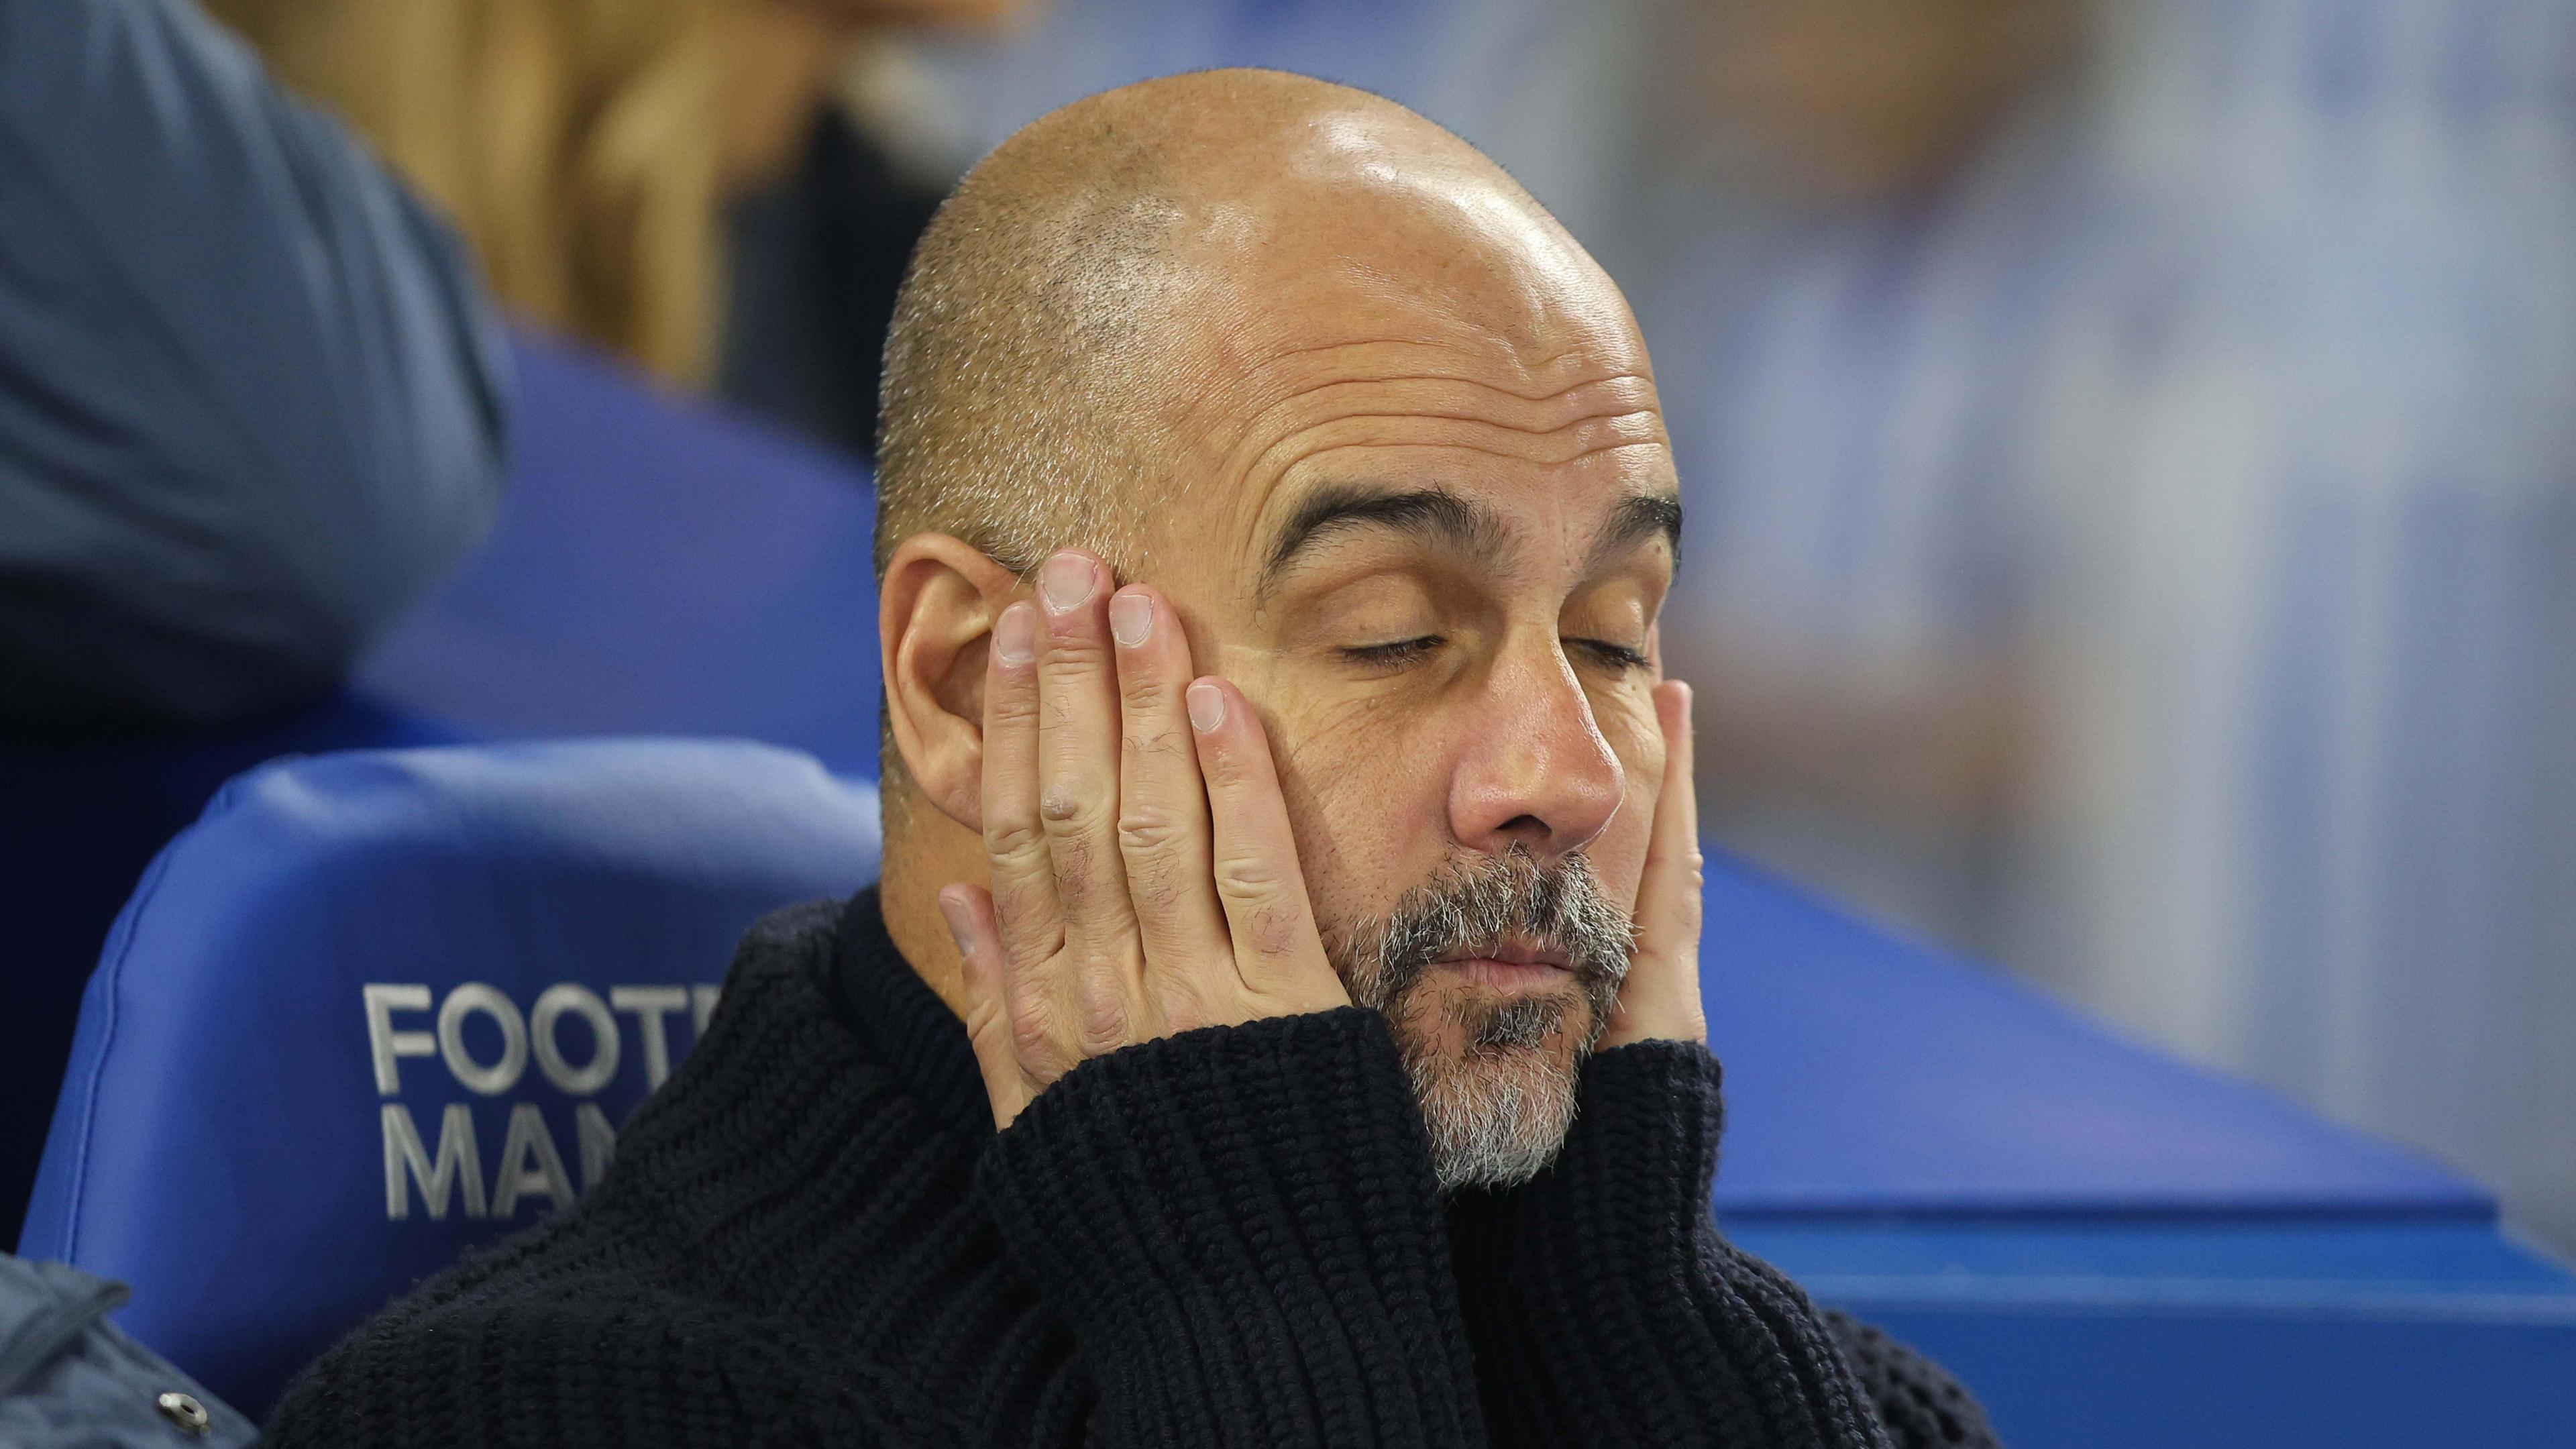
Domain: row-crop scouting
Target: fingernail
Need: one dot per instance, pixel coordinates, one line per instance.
(1131, 618)
(1065, 582)
(1015, 638)
(959, 922)
(1207, 707)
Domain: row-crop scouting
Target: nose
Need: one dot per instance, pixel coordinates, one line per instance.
(1535, 771)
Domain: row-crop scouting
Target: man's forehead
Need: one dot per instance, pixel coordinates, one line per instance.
(1374, 295)
(1468, 269)
(1387, 393)
(1347, 299)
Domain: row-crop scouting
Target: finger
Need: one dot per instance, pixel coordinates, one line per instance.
(1078, 760)
(984, 976)
(1102, 978)
(1163, 832)
(1660, 1000)
(1031, 924)
(1269, 921)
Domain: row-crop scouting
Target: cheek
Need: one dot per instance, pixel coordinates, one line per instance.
(1619, 856)
(1367, 796)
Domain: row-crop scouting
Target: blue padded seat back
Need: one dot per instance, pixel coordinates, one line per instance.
(79, 822)
(658, 567)
(1869, 1075)
(376, 1007)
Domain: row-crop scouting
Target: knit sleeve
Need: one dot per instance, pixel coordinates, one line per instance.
(1924, 1408)
(570, 1364)
(1241, 1228)
(1606, 1308)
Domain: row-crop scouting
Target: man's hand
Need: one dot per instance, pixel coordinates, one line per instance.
(1144, 880)
(1661, 1000)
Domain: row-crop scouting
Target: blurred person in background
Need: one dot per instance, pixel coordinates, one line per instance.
(252, 402)
(2305, 802)
(2132, 473)
(675, 181)
(1847, 210)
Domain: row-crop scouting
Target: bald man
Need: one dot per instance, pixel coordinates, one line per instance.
(1287, 832)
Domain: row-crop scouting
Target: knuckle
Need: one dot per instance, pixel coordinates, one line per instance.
(1032, 1030)
(1011, 706)
(1149, 829)
(1102, 1024)
(987, 1025)
(1074, 653)
(1013, 842)
(1075, 805)
(1143, 689)
(1249, 878)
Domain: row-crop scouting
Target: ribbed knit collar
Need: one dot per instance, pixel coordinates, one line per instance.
(903, 1023)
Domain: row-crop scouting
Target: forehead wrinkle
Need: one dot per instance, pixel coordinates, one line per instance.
(1626, 427)
(1260, 503)
(1610, 409)
(1265, 564)
(1278, 358)
(1260, 474)
(1631, 396)
(1588, 443)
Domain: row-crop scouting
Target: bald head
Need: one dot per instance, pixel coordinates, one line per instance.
(1085, 306)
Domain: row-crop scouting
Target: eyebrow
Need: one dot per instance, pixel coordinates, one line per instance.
(1469, 527)
(1636, 519)
(1434, 513)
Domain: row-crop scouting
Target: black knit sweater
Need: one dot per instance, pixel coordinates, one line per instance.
(813, 1235)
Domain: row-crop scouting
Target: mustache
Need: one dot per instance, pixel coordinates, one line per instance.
(1478, 903)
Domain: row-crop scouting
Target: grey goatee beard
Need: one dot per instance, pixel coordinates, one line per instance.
(1497, 1103)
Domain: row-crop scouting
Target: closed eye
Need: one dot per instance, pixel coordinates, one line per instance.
(1618, 656)
(1402, 651)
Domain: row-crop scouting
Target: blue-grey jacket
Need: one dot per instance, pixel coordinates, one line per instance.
(69, 1379)
(251, 400)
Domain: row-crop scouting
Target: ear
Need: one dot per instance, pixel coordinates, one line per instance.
(934, 622)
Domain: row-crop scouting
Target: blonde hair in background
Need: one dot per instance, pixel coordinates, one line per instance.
(575, 143)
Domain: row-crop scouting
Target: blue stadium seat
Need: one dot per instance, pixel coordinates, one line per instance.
(375, 1007)
(79, 821)
(1868, 1075)
(2116, 1250)
(659, 567)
